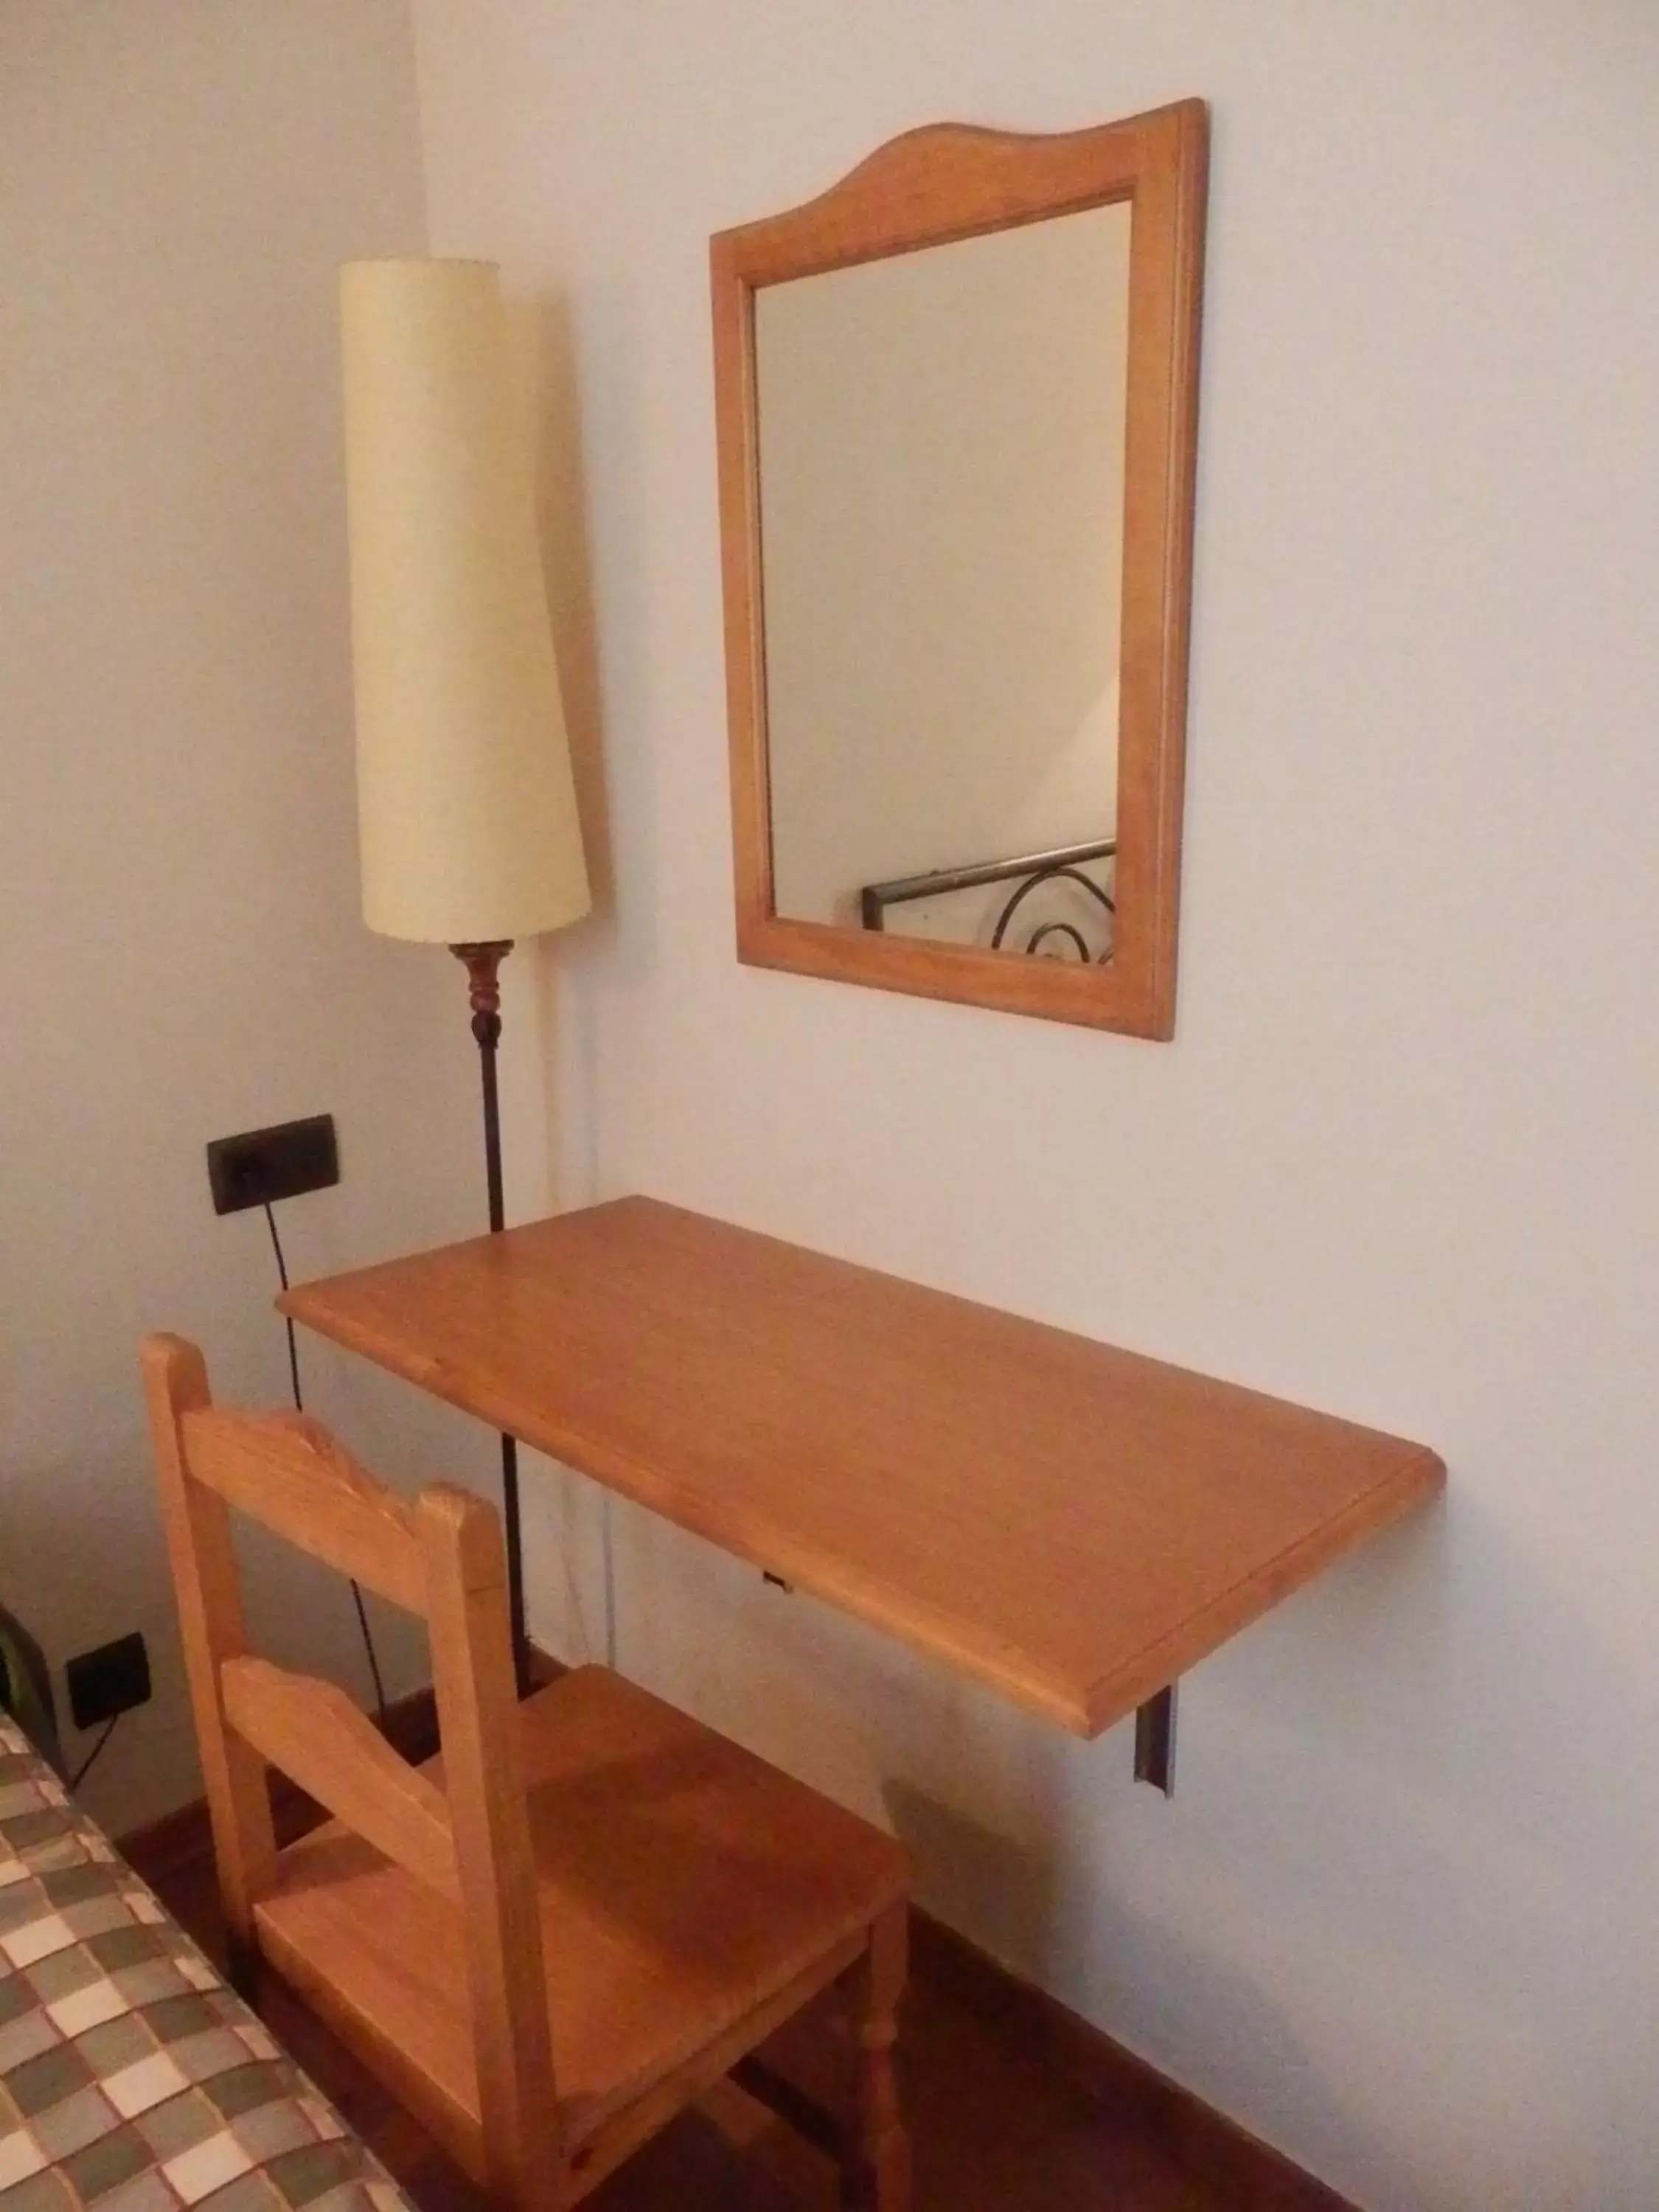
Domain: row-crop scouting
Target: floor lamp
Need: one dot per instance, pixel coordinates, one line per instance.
(467, 813)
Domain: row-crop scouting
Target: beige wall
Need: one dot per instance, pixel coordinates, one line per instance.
(941, 485)
(1401, 1160)
(183, 954)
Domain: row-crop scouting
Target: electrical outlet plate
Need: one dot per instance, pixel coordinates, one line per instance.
(261, 1166)
(112, 1679)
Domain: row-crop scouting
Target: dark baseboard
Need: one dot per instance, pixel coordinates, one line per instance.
(1245, 2173)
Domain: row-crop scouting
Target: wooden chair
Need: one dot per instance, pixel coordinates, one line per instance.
(551, 1938)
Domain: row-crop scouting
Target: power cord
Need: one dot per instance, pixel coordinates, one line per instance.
(299, 1408)
(85, 1767)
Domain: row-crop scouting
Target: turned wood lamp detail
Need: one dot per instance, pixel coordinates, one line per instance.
(466, 809)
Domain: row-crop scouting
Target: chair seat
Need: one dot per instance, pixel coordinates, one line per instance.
(683, 1883)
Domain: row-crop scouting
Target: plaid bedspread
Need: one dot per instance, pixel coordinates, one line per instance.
(131, 2078)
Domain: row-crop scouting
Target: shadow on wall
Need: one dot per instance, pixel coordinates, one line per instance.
(1365, 1849)
(78, 1579)
(1009, 1894)
(1342, 1836)
(969, 1876)
(88, 1578)
(543, 360)
(542, 345)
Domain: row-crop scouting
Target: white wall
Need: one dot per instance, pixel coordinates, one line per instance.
(178, 875)
(1400, 1161)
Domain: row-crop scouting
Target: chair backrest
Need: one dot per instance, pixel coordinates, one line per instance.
(441, 1557)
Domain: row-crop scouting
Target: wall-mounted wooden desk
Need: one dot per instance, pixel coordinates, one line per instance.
(1073, 1525)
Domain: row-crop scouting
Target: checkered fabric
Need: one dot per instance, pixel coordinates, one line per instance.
(131, 2078)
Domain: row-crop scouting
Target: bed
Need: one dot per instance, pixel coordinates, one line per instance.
(131, 2079)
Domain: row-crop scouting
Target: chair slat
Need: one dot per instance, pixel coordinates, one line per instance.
(288, 1473)
(316, 1735)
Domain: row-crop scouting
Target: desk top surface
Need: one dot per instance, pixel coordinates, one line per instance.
(1071, 1524)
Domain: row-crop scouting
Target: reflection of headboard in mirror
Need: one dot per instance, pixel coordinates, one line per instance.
(957, 399)
(1059, 902)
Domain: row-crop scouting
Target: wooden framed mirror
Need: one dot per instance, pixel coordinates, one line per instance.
(957, 401)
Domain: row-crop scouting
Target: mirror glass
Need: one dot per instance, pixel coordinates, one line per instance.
(940, 439)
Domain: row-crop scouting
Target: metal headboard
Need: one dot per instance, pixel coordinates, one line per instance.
(1028, 871)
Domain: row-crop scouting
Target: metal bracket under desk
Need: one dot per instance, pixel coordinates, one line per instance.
(1155, 1723)
(1155, 1740)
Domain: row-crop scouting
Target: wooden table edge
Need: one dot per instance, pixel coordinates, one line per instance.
(1086, 1710)
(1115, 1697)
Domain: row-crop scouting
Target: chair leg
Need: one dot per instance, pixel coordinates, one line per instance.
(877, 2176)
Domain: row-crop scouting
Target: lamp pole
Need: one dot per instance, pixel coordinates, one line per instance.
(482, 963)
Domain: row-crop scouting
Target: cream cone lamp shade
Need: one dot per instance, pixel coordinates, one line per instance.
(467, 813)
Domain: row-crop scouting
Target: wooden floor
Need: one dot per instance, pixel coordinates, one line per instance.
(992, 2130)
